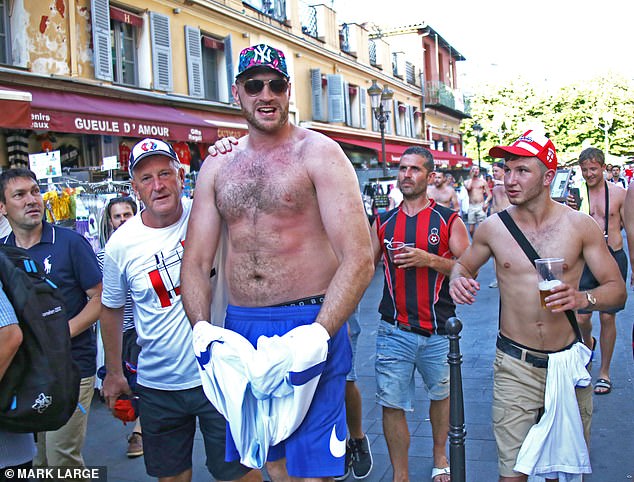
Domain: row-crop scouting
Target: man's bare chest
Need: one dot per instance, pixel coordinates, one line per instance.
(261, 185)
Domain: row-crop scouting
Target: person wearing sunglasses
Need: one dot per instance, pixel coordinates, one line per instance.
(298, 251)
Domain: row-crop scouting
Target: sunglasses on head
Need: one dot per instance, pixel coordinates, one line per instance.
(255, 86)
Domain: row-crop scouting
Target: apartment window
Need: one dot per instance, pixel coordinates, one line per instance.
(209, 65)
(210, 71)
(5, 33)
(123, 37)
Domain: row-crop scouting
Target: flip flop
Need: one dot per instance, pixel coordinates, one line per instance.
(604, 385)
(436, 472)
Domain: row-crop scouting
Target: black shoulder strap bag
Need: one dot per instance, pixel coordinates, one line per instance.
(532, 255)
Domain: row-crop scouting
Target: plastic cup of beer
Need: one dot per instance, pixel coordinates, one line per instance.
(549, 274)
(397, 247)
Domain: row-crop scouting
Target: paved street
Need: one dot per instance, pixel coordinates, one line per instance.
(612, 448)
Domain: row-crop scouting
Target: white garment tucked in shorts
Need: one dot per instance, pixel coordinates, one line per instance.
(555, 447)
(263, 393)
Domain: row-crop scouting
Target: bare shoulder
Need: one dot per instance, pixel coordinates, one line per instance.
(212, 164)
(318, 150)
(577, 219)
(617, 192)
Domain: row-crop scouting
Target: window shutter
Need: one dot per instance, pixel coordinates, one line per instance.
(161, 51)
(193, 49)
(229, 65)
(363, 107)
(346, 104)
(412, 122)
(375, 124)
(408, 124)
(397, 119)
(336, 108)
(102, 48)
(316, 98)
(389, 123)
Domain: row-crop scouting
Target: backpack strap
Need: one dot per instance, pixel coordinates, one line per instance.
(532, 255)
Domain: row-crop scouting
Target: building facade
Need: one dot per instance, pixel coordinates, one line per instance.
(88, 78)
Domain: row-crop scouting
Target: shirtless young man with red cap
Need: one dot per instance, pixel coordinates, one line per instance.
(530, 334)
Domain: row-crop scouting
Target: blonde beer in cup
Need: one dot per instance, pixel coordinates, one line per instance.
(549, 274)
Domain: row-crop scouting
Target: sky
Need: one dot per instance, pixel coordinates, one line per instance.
(547, 42)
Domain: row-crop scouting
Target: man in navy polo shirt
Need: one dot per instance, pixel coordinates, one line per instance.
(70, 263)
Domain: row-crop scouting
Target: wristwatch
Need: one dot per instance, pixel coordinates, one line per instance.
(592, 301)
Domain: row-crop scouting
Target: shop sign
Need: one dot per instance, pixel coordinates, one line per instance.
(229, 132)
(102, 125)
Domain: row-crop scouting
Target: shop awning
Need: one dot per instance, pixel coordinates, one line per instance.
(88, 114)
(226, 125)
(392, 151)
(16, 108)
(446, 160)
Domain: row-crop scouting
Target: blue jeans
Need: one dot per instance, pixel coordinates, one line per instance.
(398, 355)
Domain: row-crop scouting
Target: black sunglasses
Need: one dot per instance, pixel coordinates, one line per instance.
(255, 86)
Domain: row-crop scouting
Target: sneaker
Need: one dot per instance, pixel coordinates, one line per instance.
(135, 445)
(493, 284)
(361, 457)
(347, 463)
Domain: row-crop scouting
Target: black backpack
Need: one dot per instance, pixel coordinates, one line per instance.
(40, 389)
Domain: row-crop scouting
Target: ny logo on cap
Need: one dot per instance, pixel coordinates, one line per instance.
(262, 53)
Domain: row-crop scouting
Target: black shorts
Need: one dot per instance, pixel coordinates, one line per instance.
(588, 281)
(169, 425)
(129, 349)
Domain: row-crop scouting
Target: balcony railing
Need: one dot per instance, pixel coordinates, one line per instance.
(309, 19)
(273, 8)
(439, 93)
(344, 38)
(372, 48)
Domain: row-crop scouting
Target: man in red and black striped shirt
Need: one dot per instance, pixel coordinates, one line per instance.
(418, 241)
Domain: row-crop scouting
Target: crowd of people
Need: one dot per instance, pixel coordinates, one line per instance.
(262, 252)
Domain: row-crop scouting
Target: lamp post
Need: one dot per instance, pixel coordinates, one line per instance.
(477, 130)
(381, 102)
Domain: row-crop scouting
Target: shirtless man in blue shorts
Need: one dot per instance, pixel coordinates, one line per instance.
(282, 194)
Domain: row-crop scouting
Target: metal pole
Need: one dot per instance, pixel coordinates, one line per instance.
(479, 164)
(382, 127)
(457, 432)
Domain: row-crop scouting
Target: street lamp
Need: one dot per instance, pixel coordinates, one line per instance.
(477, 130)
(381, 102)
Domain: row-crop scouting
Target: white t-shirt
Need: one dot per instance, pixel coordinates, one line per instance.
(5, 227)
(147, 261)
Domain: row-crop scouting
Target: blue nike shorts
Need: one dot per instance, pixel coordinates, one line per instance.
(317, 448)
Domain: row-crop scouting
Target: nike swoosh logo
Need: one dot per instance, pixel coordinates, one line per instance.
(337, 447)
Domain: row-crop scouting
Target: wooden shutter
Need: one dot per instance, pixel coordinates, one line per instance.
(408, 124)
(316, 98)
(102, 47)
(194, 51)
(336, 108)
(346, 103)
(229, 66)
(363, 107)
(412, 122)
(161, 51)
(397, 119)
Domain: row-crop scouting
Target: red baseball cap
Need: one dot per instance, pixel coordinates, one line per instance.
(529, 144)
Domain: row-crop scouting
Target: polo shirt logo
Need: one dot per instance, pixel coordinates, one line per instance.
(47, 264)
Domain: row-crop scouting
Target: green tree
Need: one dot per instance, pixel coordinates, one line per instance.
(573, 116)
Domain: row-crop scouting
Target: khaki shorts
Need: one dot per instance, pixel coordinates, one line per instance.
(518, 402)
(475, 215)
